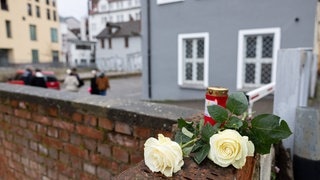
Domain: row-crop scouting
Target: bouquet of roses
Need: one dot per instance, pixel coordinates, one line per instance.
(234, 137)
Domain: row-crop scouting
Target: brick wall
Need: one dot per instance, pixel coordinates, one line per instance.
(48, 134)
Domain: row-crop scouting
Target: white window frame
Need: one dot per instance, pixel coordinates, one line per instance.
(276, 31)
(181, 82)
(159, 2)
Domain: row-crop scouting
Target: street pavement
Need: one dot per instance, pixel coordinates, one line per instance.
(131, 87)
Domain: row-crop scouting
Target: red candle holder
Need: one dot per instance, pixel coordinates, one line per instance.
(214, 96)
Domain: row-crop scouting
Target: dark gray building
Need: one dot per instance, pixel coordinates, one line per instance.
(189, 45)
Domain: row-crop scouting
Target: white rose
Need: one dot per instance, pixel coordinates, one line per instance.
(229, 147)
(163, 155)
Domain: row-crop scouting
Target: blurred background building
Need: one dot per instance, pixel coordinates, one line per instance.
(30, 32)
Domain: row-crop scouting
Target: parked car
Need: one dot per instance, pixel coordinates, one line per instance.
(50, 78)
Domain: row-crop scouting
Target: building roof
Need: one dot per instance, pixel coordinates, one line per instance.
(123, 29)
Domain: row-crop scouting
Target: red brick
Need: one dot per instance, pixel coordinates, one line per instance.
(90, 144)
(23, 123)
(51, 142)
(77, 117)
(22, 113)
(32, 126)
(86, 176)
(104, 150)
(14, 103)
(123, 140)
(64, 135)
(141, 132)
(90, 120)
(89, 132)
(41, 129)
(95, 159)
(123, 128)
(115, 167)
(9, 145)
(52, 132)
(41, 119)
(165, 133)
(124, 167)
(103, 173)
(76, 163)
(64, 169)
(6, 109)
(120, 154)
(63, 125)
(76, 151)
(33, 107)
(135, 158)
(105, 123)
(53, 111)
(75, 139)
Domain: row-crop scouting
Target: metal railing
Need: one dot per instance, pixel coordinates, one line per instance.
(259, 93)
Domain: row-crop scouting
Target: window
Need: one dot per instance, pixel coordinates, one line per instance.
(83, 61)
(167, 1)
(102, 43)
(55, 56)
(103, 8)
(137, 15)
(257, 53)
(29, 9)
(83, 47)
(54, 15)
(120, 5)
(48, 14)
(48, 2)
(33, 32)
(35, 56)
(120, 18)
(54, 35)
(104, 20)
(8, 29)
(53, 3)
(193, 59)
(4, 5)
(126, 42)
(38, 11)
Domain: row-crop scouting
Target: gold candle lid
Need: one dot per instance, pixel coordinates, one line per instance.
(217, 91)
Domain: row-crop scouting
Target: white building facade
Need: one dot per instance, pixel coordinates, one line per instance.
(75, 52)
(118, 48)
(114, 11)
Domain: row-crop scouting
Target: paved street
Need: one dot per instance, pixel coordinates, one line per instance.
(130, 87)
(124, 87)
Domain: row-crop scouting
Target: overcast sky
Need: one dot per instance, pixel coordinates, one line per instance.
(75, 8)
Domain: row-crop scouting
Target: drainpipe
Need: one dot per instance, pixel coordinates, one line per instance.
(149, 50)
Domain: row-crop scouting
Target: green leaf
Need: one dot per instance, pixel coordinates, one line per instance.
(200, 155)
(209, 130)
(218, 113)
(267, 129)
(186, 132)
(200, 125)
(187, 150)
(233, 123)
(237, 103)
(180, 138)
(183, 123)
(198, 145)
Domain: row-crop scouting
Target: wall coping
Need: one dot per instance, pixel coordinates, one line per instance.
(135, 109)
